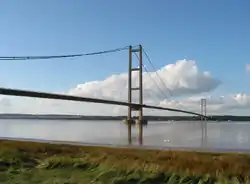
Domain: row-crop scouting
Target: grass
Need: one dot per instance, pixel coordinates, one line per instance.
(27, 162)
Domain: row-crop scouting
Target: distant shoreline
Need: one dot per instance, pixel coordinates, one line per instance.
(115, 118)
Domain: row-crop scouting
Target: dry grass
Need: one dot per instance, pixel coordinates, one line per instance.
(28, 155)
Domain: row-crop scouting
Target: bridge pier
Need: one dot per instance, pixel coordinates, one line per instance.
(129, 132)
(140, 132)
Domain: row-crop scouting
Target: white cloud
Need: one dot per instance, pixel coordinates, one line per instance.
(183, 78)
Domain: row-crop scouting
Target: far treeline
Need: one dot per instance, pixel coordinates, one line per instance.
(149, 118)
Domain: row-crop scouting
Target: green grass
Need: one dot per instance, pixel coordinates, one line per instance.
(26, 162)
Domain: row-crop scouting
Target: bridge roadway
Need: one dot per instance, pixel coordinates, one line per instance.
(34, 94)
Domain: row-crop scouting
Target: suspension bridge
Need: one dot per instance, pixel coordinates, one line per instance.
(138, 51)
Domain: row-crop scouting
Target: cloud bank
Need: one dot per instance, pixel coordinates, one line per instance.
(183, 78)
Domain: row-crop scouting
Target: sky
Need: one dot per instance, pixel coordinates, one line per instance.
(201, 49)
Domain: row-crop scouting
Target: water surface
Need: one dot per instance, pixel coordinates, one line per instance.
(223, 135)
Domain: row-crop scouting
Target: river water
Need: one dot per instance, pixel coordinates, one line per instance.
(223, 135)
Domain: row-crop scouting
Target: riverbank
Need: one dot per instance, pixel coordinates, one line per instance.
(29, 162)
(120, 118)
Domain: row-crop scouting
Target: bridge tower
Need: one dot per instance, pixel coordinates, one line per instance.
(131, 89)
(203, 108)
(203, 119)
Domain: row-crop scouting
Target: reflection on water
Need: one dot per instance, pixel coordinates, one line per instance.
(175, 134)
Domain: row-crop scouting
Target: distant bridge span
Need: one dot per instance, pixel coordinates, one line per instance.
(35, 94)
(138, 51)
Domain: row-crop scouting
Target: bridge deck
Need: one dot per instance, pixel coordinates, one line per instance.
(34, 94)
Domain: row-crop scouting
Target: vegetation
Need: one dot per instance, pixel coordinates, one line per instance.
(26, 162)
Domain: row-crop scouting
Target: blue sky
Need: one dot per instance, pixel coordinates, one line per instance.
(213, 33)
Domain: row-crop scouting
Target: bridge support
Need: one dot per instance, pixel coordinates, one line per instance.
(140, 89)
(203, 120)
(129, 94)
(203, 108)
